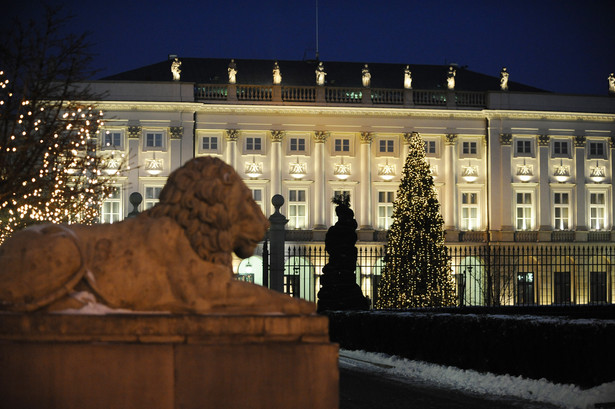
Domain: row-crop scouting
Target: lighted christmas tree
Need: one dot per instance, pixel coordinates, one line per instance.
(417, 266)
(50, 170)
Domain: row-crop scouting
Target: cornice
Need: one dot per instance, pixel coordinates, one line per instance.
(332, 111)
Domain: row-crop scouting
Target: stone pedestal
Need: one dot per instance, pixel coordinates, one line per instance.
(166, 361)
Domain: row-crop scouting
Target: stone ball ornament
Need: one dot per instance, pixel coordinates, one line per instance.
(175, 257)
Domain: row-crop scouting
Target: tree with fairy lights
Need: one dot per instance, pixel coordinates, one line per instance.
(417, 269)
(49, 168)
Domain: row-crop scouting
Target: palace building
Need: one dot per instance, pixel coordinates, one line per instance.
(515, 167)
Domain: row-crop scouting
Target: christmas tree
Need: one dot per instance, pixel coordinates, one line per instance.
(50, 170)
(417, 266)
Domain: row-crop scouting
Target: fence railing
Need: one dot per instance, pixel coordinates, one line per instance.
(483, 275)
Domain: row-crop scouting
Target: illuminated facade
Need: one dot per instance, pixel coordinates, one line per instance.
(511, 166)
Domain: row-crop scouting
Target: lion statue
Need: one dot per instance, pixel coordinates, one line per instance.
(174, 257)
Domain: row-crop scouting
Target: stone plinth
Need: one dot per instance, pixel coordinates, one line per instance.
(166, 361)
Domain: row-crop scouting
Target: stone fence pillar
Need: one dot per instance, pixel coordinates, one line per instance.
(277, 236)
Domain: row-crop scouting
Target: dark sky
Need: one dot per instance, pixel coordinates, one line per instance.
(561, 46)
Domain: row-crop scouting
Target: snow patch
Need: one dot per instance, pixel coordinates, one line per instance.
(565, 396)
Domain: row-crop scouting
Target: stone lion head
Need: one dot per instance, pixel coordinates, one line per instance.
(208, 199)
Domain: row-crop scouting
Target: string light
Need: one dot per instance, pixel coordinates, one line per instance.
(54, 169)
(417, 266)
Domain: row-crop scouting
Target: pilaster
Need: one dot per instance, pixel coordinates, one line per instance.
(450, 162)
(581, 209)
(365, 211)
(544, 223)
(277, 137)
(320, 137)
(231, 147)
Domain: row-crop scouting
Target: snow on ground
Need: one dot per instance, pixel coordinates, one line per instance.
(565, 396)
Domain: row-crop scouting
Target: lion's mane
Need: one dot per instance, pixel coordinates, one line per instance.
(208, 199)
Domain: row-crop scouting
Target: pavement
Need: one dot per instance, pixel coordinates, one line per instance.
(361, 388)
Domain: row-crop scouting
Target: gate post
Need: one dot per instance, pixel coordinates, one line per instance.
(277, 236)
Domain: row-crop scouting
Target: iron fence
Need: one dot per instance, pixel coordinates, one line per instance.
(485, 275)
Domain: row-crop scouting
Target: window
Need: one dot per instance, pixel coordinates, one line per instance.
(210, 143)
(297, 145)
(523, 211)
(561, 149)
(430, 148)
(596, 150)
(469, 211)
(523, 147)
(561, 210)
(297, 209)
(385, 209)
(337, 193)
(386, 146)
(469, 148)
(341, 145)
(253, 144)
(597, 211)
(111, 211)
(152, 193)
(525, 288)
(112, 140)
(257, 195)
(154, 140)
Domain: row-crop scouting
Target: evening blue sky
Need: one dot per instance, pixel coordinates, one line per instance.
(561, 46)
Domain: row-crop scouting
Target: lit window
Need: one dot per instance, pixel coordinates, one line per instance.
(152, 194)
(596, 150)
(111, 211)
(342, 145)
(525, 288)
(561, 211)
(524, 211)
(297, 144)
(153, 140)
(469, 211)
(523, 148)
(112, 140)
(561, 149)
(597, 211)
(469, 148)
(387, 146)
(385, 209)
(253, 144)
(210, 143)
(337, 193)
(297, 209)
(257, 195)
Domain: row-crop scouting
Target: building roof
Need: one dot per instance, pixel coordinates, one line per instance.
(302, 73)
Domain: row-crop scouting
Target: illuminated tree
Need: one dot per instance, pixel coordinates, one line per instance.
(417, 266)
(49, 169)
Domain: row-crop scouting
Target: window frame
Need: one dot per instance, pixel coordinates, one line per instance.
(524, 206)
(163, 140)
(436, 145)
(385, 222)
(210, 139)
(470, 142)
(469, 206)
(387, 143)
(527, 142)
(253, 140)
(119, 147)
(297, 140)
(116, 198)
(604, 207)
(596, 143)
(567, 206)
(149, 202)
(559, 142)
(293, 206)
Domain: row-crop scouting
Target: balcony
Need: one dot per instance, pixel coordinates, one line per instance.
(270, 94)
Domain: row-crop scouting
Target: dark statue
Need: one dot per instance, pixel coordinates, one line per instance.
(339, 289)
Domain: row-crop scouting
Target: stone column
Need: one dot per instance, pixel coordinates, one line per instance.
(320, 200)
(544, 233)
(450, 171)
(277, 237)
(612, 215)
(581, 233)
(231, 147)
(508, 233)
(276, 162)
(365, 208)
